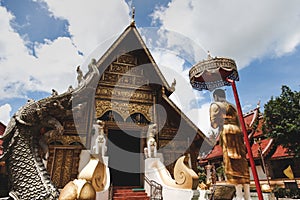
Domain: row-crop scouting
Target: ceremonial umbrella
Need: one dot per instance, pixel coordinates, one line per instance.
(213, 73)
(217, 72)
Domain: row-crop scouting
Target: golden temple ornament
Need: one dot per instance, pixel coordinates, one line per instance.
(213, 73)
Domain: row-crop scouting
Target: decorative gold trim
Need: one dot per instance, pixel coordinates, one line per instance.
(125, 109)
(125, 95)
(65, 140)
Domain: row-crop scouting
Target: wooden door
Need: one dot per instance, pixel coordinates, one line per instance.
(125, 159)
(63, 163)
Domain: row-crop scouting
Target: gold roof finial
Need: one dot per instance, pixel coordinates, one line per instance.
(132, 15)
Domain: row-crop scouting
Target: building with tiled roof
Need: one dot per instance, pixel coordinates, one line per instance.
(270, 160)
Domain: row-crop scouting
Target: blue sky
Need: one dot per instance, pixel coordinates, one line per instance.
(43, 41)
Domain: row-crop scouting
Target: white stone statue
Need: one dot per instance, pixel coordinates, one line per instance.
(93, 62)
(151, 149)
(100, 141)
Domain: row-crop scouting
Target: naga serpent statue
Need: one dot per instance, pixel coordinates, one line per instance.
(28, 178)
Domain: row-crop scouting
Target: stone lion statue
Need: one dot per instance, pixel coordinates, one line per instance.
(151, 149)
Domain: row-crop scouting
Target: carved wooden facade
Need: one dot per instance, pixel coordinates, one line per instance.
(130, 87)
(63, 163)
(124, 90)
(64, 155)
(64, 151)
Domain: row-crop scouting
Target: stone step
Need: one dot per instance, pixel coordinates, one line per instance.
(131, 198)
(129, 193)
(129, 190)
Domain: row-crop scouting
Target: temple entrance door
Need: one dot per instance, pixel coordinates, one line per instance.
(125, 159)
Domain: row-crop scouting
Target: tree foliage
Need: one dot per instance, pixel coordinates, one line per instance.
(282, 120)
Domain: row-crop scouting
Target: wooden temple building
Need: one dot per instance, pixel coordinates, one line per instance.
(130, 87)
(270, 160)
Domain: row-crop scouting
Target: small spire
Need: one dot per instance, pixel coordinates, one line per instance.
(258, 104)
(132, 15)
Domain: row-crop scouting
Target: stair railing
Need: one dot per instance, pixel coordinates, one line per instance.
(155, 189)
(110, 192)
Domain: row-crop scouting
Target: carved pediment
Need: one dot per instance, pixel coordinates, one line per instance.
(124, 109)
(124, 71)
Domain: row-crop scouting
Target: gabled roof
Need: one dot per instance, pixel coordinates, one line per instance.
(264, 146)
(250, 117)
(280, 153)
(216, 152)
(258, 132)
(131, 41)
(254, 122)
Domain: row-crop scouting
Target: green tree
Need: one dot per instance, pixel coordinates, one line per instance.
(282, 120)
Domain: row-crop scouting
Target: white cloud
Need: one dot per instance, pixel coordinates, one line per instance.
(172, 67)
(56, 61)
(53, 68)
(185, 97)
(10, 42)
(175, 54)
(13, 55)
(173, 42)
(200, 117)
(170, 64)
(215, 26)
(5, 113)
(243, 30)
(91, 22)
(171, 51)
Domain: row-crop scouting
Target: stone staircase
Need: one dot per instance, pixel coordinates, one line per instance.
(129, 193)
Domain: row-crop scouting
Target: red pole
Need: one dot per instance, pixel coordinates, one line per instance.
(247, 143)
